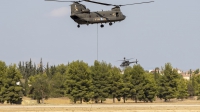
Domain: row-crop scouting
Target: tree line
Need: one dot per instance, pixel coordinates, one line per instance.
(83, 83)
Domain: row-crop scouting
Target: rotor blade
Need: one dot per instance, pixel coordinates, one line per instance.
(130, 59)
(120, 60)
(98, 3)
(62, 1)
(136, 3)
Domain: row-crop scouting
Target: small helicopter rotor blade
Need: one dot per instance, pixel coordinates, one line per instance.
(129, 59)
(99, 3)
(136, 3)
(120, 60)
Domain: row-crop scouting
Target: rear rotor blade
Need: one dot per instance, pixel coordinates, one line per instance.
(136, 3)
(113, 4)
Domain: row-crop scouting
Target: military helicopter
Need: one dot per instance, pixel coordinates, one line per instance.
(126, 62)
(82, 15)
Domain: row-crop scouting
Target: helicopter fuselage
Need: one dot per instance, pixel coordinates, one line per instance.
(98, 17)
(81, 15)
(127, 63)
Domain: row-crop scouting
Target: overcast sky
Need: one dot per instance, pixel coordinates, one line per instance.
(155, 34)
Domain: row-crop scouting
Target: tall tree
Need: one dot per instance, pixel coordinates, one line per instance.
(149, 88)
(168, 83)
(58, 85)
(48, 71)
(3, 68)
(195, 81)
(12, 90)
(40, 69)
(190, 88)
(115, 83)
(182, 89)
(138, 81)
(59, 77)
(156, 74)
(196, 84)
(40, 87)
(100, 77)
(128, 88)
(52, 70)
(79, 83)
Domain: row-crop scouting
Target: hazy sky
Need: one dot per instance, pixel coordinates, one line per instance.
(155, 33)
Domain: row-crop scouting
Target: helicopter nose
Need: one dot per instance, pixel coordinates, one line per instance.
(124, 16)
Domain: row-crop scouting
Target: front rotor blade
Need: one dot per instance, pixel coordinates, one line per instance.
(99, 3)
(136, 3)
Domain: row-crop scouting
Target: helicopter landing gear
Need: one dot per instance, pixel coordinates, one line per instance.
(110, 24)
(78, 26)
(101, 25)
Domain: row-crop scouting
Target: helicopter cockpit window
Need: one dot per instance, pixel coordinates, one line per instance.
(113, 14)
(76, 8)
(117, 14)
(84, 6)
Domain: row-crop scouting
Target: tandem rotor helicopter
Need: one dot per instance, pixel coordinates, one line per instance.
(127, 62)
(82, 15)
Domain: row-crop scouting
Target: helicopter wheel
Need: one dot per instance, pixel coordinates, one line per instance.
(102, 26)
(78, 26)
(110, 24)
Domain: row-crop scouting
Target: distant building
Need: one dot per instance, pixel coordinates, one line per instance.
(156, 70)
(186, 75)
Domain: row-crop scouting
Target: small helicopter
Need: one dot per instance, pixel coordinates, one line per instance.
(82, 15)
(126, 62)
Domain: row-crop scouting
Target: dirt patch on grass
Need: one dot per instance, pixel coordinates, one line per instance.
(57, 101)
